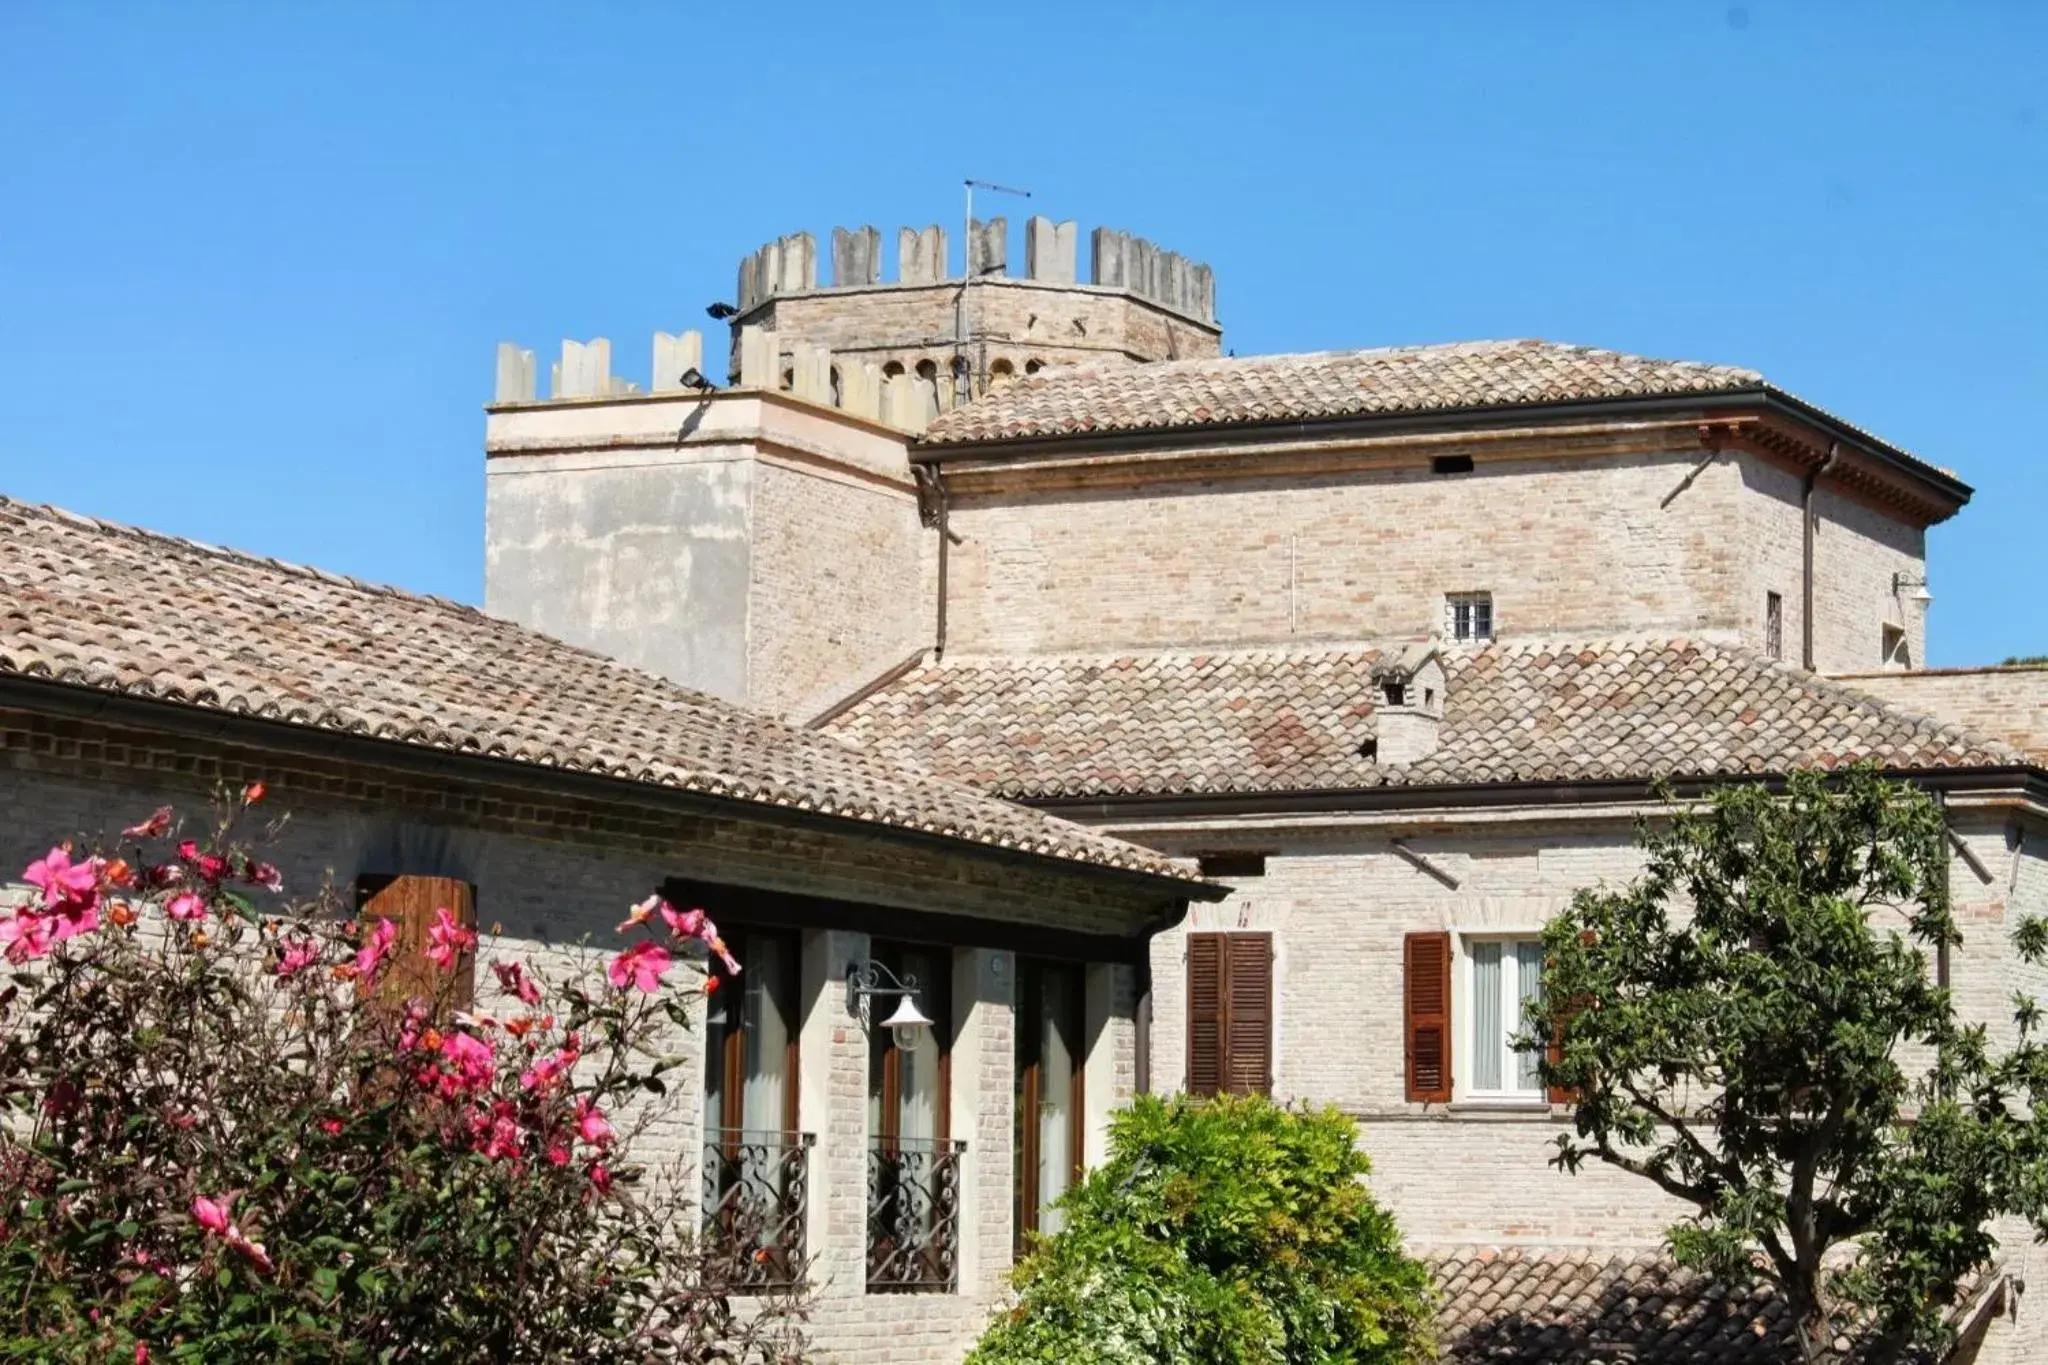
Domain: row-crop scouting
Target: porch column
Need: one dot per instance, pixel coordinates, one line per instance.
(1110, 1069)
(832, 1102)
(984, 1098)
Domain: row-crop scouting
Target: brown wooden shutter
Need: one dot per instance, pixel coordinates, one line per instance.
(1248, 1014)
(1562, 1094)
(1206, 994)
(412, 902)
(1426, 986)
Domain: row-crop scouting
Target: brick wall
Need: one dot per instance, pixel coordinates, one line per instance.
(1567, 544)
(2009, 704)
(1023, 322)
(840, 587)
(551, 874)
(1339, 902)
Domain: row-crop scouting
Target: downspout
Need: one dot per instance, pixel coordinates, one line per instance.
(938, 477)
(1947, 865)
(1806, 560)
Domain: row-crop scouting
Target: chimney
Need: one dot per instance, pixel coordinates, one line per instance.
(1409, 704)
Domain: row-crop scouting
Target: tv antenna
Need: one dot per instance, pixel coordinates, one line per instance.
(962, 312)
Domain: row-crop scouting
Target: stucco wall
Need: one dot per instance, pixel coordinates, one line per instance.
(642, 555)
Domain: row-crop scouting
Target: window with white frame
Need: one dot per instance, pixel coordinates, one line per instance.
(1501, 976)
(1469, 616)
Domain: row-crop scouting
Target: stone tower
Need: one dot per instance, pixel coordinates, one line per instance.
(956, 336)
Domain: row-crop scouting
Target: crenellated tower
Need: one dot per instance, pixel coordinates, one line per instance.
(955, 335)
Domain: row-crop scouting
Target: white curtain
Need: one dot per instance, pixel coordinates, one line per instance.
(767, 1035)
(1487, 1030)
(1529, 961)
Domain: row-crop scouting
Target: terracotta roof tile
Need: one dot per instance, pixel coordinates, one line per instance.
(1181, 393)
(110, 607)
(1582, 1306)
(1263, 720)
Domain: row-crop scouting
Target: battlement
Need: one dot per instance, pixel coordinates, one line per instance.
(859, 387)
(1117, 261)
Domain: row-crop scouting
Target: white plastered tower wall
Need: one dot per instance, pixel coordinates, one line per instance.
(761, 546)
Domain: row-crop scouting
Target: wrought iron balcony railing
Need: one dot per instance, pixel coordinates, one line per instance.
(913, 1214)
(756, 1186)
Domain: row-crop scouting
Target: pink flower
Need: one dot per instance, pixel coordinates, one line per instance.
(558, 1155)
(640, 966)
(376, 947)
(641, 913)
(61, 879)
(154, 827)
(27, 934)
(601, 1177)
(299, 954)
(330, 1126)
(73, 918)
(266, 876)
(473, 1060)
(512, 977)
(591, 1125)
(687, 924)
(545, 1073)
(253, 1250)
(141, 1353)
(186, 905)
(448, 940)
(504, 1139)
(212, 1214)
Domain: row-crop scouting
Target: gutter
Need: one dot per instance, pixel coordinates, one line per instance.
(45, 697)
(1806, 535)
(924, 451)
(2030, 779)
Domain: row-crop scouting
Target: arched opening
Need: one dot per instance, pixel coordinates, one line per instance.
(1033, 366)
(1000, 372)
(928, 387)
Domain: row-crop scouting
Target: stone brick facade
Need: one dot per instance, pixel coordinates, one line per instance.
(1338, 899)
(2008, 703)
(1572, 537)
(553, 875)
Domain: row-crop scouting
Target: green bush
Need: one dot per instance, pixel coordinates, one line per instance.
(1219, 1231)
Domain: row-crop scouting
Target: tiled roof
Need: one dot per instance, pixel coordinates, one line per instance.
(1553, 1306)
(1179, 393)
(109, 607)
(1294, 720)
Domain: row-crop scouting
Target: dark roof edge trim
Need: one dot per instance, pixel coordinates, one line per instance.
(1713, 401)
(2032, 781)
(194, 722)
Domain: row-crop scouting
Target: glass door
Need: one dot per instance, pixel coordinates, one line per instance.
(1049, 1092)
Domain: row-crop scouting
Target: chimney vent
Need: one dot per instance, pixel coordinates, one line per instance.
(1411, 711)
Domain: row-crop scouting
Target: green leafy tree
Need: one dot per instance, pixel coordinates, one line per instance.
(1218, 1232)
(1755, 1027)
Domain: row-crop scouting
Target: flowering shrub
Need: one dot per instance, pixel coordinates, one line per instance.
(225, 1137)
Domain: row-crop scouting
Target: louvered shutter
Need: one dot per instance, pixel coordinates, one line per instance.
(1426, 985)
(1206, 994)
(1562, 1094)
(411, 902)
(1248, 1018)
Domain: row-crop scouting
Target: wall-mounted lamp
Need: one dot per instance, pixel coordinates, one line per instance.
(867, 980)
(1920, 597)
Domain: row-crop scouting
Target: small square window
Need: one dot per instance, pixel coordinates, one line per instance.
(1774, 625)
(1469, 616)
(1893, 650)
(1502, 975)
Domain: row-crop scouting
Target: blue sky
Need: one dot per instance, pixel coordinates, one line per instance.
(254, 257)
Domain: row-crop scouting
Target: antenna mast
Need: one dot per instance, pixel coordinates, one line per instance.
(963, 393)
